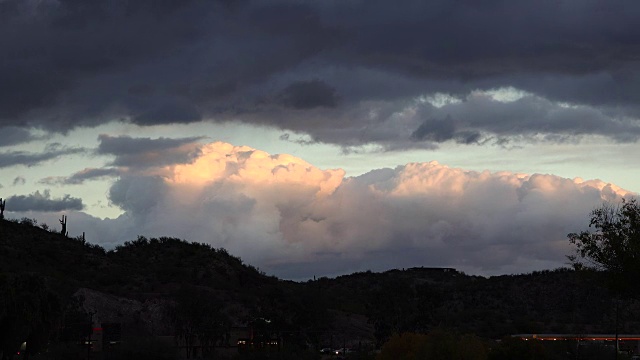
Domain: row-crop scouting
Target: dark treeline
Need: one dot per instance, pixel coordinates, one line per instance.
(198, 293)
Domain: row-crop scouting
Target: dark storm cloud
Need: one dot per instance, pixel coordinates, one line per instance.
(470, 40)
(14, 158)
(51, 47)
(435, 130)
(43, 202)
(147, 152)
(443, 130)
(70, 63)
(535, 115)
(168, 114)
(309, 95)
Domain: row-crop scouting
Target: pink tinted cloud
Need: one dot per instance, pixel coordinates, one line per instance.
(295, 220)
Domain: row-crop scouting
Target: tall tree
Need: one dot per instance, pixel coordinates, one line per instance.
(613, 245)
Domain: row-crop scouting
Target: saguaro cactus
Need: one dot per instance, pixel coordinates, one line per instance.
(2, 205)
(63, 222)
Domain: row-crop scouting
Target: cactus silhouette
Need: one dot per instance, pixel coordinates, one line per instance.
(63, 222)
(2, 205)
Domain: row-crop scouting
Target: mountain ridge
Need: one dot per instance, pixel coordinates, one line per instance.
(164, 273)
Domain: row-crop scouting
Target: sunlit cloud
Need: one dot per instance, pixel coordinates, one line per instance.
(284, 214)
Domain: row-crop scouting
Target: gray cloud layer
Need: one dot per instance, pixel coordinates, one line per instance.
(344, 72)
(147, 152)
(11, 135)
(13, 158)
(38, 201)
(81, 176)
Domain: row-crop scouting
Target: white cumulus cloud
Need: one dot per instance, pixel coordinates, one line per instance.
(295, 220)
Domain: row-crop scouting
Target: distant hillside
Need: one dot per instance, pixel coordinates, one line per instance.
(153, 275)
(420, 299)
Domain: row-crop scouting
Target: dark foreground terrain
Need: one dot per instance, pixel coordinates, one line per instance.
(168, 298)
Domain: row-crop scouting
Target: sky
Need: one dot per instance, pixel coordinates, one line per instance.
(319, 138)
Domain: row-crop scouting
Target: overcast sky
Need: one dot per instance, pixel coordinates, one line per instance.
(323, 137)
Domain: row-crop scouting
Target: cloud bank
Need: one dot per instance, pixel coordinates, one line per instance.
(343, 72)
(295, 220)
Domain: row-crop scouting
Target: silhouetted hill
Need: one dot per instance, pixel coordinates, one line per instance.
(154, 274)
(138, 266)
(26, 248)
(168, 273)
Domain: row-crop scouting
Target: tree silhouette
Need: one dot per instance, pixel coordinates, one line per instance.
(613, 246)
